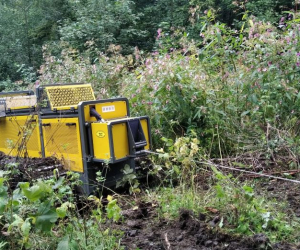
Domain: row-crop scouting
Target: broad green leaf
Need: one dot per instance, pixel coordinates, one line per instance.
(18, 221)
(44, 222)
(61, 212)
(35, 192)
(64, 244)
(248, 189)
(58, 183)
(127, 169)
(112, 203)
(3, 203)
(26, 226)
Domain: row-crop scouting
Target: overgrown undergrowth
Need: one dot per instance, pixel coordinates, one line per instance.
(237, 90)
(48, 214)
(232, 96)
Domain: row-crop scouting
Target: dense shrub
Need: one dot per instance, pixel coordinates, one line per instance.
(237, 90)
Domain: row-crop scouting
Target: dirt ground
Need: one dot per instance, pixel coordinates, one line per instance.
(284, 191)
(27, 169)
(142, 230)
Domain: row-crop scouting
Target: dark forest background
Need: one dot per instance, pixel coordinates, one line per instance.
(91, 26)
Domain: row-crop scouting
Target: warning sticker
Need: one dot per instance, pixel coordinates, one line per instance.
(106, 109)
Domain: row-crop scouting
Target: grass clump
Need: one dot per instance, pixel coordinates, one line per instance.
(234, 207)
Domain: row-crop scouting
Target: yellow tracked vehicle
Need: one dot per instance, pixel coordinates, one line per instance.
(66, 122)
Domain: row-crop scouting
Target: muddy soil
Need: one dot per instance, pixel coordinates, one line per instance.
(28, 169)
(143, 230)
(283, 191)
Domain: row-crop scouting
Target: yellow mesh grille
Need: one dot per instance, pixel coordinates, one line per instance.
(69, 96)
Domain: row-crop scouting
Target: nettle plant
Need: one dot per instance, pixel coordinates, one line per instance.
(31, 209)
(168, 88)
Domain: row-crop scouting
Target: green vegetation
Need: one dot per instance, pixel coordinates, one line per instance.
(238, 206)
(218, 79)
(92, 25)
(45, 215)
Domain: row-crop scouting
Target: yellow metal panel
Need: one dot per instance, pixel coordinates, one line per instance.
(146, 132)
(120, 140)
(107, 110)
(65, 97)
(62, 140)
(101, 141)
(19, 136)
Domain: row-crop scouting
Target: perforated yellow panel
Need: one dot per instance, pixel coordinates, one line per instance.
(62, 140)
(19, 136)
(64, 97)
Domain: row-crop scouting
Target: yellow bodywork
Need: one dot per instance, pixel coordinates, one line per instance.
(107, 110)
(62, 140)
(65, 97)
(101, 141)
(144, 123)
(20, 136)
(61, 136)
(119, 138)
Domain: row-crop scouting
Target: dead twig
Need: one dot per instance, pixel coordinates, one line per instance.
(167, 241)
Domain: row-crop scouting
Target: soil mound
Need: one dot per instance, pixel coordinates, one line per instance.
(144, 230)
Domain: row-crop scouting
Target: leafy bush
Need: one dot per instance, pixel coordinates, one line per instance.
(45, 215)
(236, 89)
(72, 67)
(228, 89)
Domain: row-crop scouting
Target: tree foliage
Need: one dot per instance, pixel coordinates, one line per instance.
(24, 27)
(92, 25)
(102, 22)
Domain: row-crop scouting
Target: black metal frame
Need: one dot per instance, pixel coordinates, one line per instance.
(87, 146)
(11, 93)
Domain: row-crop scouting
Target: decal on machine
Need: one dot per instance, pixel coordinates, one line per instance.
(106, 109)
(100, 134)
